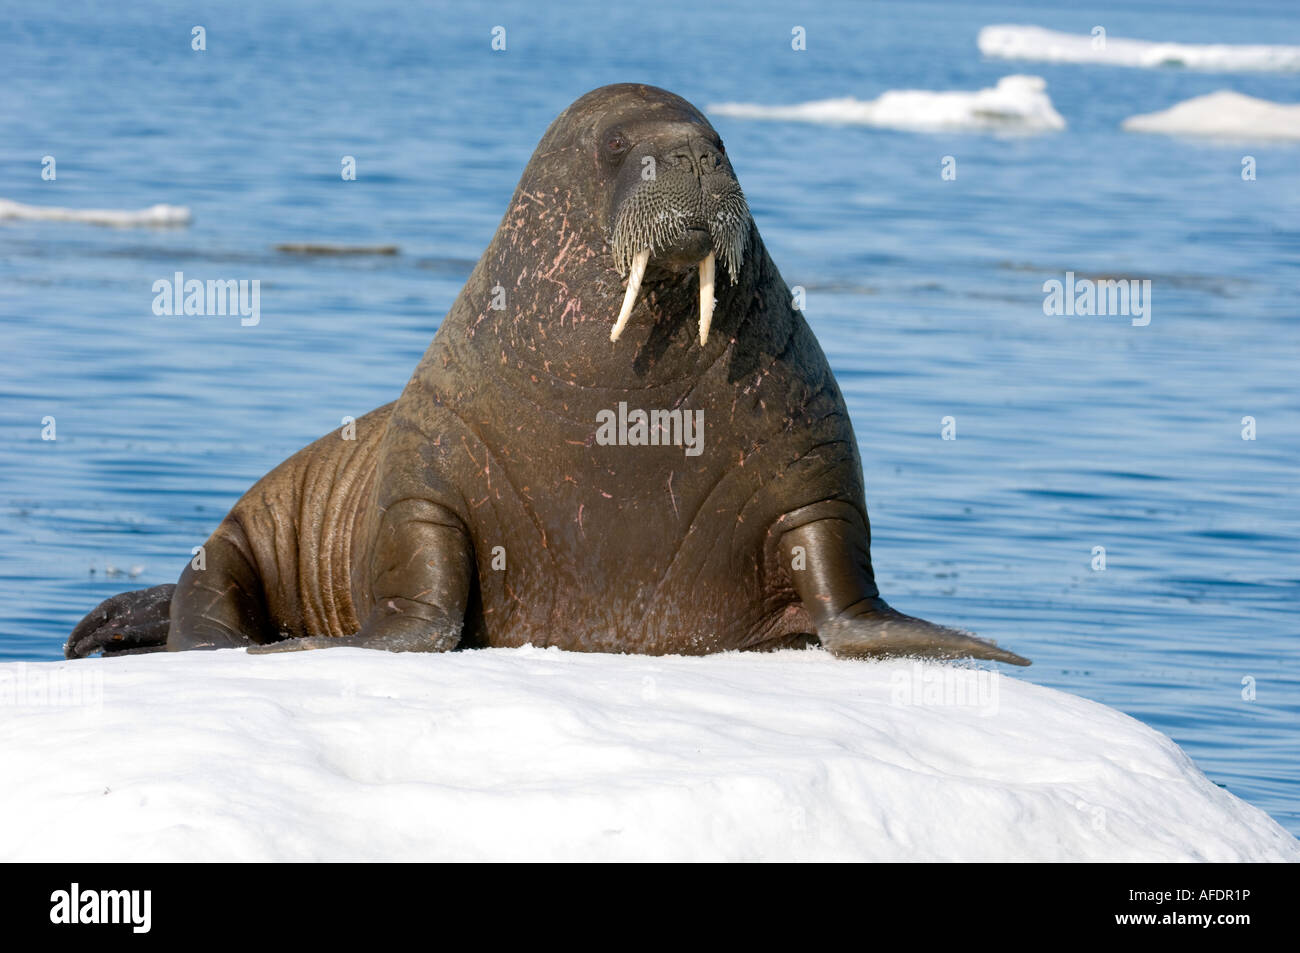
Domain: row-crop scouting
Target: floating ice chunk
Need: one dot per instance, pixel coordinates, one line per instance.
(117, 218)
(1016, 104)
(1222, 115)
(1050, 46)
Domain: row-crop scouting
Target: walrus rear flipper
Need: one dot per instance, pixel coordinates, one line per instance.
(126, 624)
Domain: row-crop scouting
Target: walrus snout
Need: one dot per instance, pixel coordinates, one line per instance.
(677, 205)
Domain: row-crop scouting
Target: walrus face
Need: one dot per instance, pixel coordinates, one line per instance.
(676, 205)
(674, 202)
(677, 197)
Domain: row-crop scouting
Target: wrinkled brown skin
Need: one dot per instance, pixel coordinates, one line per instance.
(387, 541)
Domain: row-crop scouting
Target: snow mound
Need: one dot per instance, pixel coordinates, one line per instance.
(1051, 46)
(151, 216)
(537, 754)
(1222, 115)
(1016, 104)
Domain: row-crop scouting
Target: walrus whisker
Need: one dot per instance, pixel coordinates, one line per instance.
(633, 289)
(706, 297)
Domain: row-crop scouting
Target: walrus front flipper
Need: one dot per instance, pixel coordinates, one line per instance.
(126, 624)
(421, 575)
(874, 628)
(838, 589)
(407, 640)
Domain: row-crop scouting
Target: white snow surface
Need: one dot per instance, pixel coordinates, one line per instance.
(116, 218)
(1016, 42)
(537, 754)
(1222, 115)
(1018, 104)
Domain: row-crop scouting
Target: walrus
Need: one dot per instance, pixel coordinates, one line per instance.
(623, 438)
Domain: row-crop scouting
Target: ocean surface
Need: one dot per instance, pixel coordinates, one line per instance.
(1072, 432)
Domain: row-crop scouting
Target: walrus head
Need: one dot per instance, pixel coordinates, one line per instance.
(664, 192)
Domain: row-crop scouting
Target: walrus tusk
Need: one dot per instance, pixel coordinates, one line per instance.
(706, 297)
(633, 289)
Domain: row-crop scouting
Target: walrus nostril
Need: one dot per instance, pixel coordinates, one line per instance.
(682, 160)
(698, 156)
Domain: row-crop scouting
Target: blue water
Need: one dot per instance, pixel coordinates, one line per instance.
(1071, 432)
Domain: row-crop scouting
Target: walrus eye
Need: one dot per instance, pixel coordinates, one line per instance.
(616, 145)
